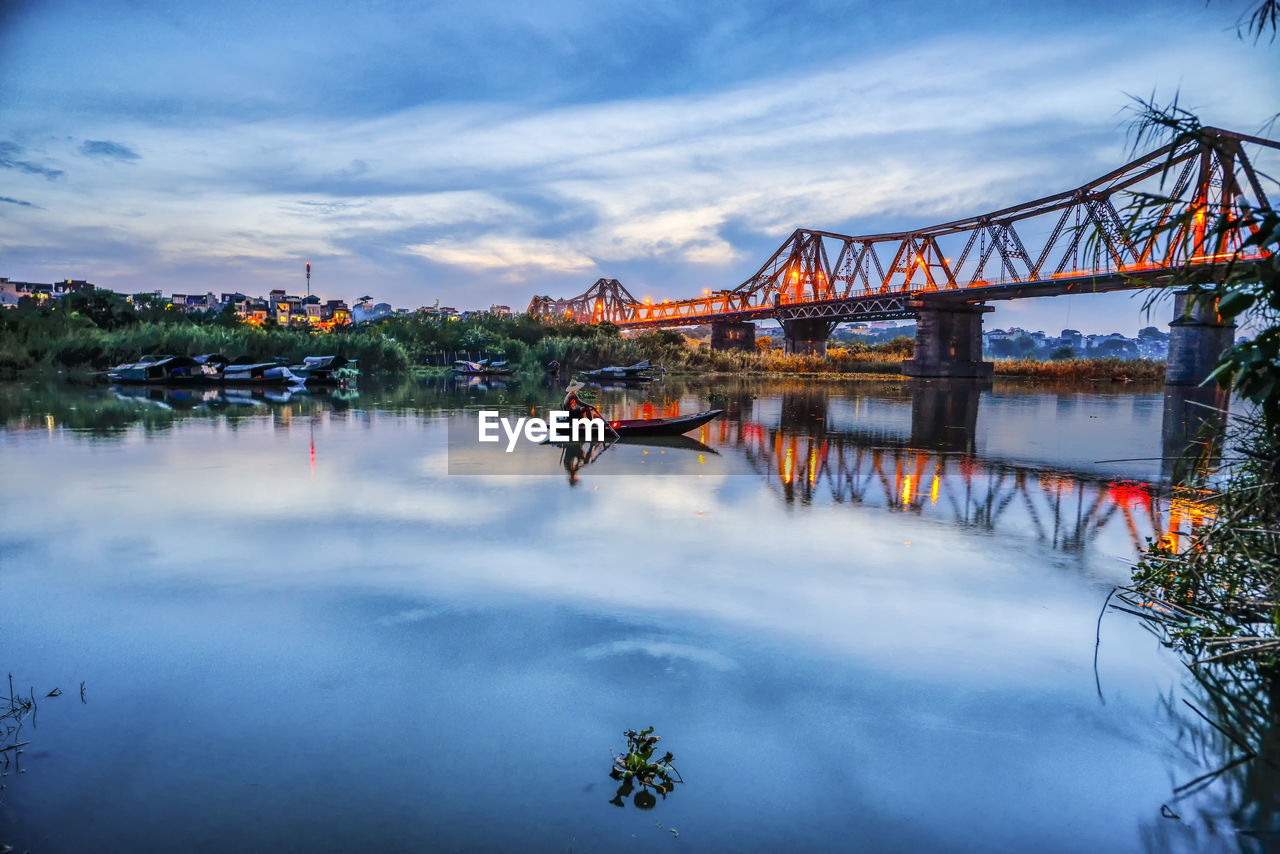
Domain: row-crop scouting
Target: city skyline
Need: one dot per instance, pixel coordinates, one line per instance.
(484, 158)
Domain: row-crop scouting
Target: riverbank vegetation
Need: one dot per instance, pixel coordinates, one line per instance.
(93, 331)
(87, 333)
(1109, 370)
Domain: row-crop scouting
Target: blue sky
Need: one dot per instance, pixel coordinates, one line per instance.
(482, 152)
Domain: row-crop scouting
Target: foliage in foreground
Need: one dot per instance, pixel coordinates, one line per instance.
(1216, 599)
(637, 766)
(1218, 596)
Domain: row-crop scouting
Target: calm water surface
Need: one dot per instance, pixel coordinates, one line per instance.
(862, 617)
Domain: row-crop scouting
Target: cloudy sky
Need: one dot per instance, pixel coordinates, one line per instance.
(482, 152)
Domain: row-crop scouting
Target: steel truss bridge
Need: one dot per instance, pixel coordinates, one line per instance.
(1075, 241)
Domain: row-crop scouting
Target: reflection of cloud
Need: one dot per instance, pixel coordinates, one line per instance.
(662, 649)
(831, 577)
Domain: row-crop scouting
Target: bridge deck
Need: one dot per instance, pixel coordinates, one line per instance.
(901, 304)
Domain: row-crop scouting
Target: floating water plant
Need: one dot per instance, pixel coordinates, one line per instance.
(639, 767)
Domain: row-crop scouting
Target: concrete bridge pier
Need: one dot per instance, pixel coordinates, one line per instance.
(728, 335)
(949, 342)
(805, 337)
(1197, 339)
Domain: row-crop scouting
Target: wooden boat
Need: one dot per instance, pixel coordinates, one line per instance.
(677, 426)
(326, 370)
(170, 370)
(482, 368)
(640, 372)
(261, 374)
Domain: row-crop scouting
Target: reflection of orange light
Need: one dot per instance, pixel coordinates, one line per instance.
(1184, 510)
(1129, 494)
(906, 490)
(788, 465)
(813, 466)
(933, 490)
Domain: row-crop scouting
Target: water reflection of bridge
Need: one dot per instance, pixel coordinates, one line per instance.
(931, 467)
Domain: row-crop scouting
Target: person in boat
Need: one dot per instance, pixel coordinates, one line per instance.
(578, 408)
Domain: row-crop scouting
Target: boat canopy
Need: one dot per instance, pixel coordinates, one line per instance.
(318, 362)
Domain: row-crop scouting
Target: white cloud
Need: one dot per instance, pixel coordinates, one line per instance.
(514, 255)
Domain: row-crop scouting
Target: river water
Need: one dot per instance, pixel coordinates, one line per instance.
(861, 616)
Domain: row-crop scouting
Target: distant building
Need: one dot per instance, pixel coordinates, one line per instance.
(145, 299)
(71, 286)
(366, 311)
(11, 292)
(8, 293)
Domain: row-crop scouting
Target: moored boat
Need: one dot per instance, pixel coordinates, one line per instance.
(172, 370)
(482, 368)
(640, 372)
(327, 370)
(260, 374)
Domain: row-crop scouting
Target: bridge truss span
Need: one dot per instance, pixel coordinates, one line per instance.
(1080, 240)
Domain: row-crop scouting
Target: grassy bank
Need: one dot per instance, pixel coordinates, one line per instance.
(1136, 370)
(92, 349)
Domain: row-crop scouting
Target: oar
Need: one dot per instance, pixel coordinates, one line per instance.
(615, 433)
